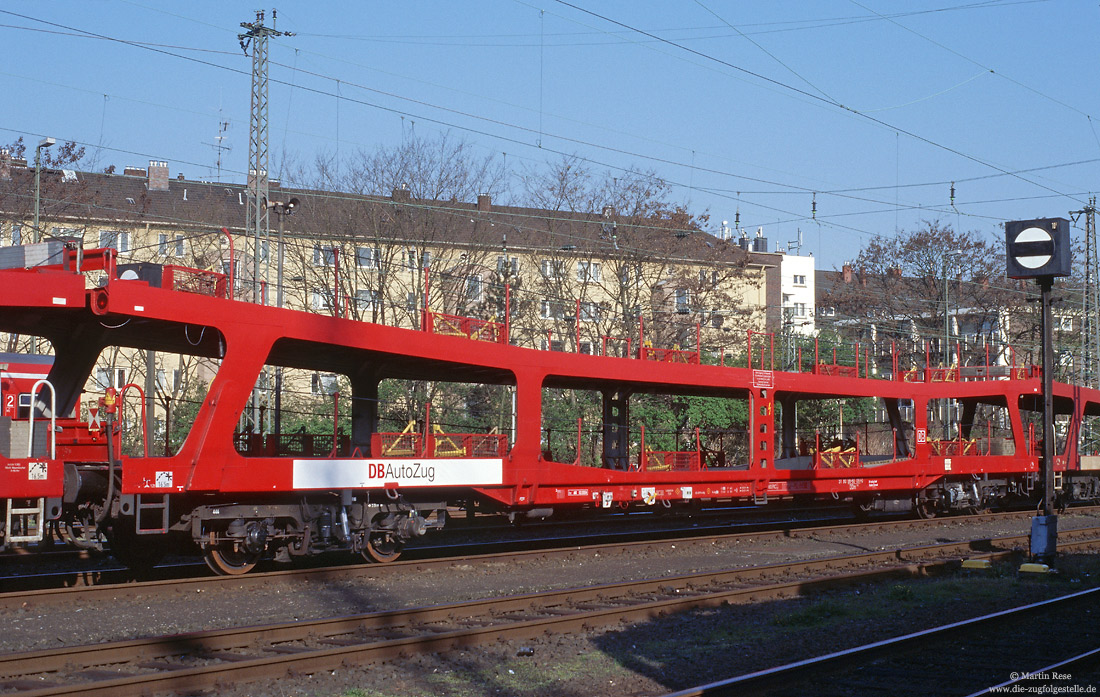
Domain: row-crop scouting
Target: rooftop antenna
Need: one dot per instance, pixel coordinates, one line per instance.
(796, 246)
(220, 147)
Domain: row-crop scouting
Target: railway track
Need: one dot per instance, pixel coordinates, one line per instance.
(990, 654)
(202, 660)
(23, 570)
(75, 588)
(27, 569)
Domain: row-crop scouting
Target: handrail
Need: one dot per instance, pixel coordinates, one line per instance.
(144, 434)
(53, 420)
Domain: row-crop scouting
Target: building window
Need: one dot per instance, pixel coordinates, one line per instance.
(16, 235)
(114, 239)
(412, 302)
(826, 311)
(1065, 323)
(800, 309)
(553, 345)
(552, 310)
(473, 289)
(905, 409)
(324, 383)
(410, 259)
(588, 271)
(110, 377)
(553, 269)
(367, 300)
(264, 250)
(321, 299)
(708, 277)
(799, 279)
(169, 247)
(168, 387)
(590, 312)
(683, 301)
(369, 258)
(324, 256)
(586, 347)
(507, 267)
(630, 273)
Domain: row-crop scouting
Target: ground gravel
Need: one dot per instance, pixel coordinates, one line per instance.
(572, 665)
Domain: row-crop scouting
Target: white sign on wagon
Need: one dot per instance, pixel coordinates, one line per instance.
(366, 474)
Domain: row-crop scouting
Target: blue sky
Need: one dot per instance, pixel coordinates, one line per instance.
(870, 108)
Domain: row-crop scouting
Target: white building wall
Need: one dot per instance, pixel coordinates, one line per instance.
(797, 283)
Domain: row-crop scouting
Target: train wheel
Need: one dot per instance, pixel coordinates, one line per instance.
(925, 508)
(382, 548)
(139, 553)
(224, 560)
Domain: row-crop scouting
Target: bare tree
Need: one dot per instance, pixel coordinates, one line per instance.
(639, 255)
(933, 284)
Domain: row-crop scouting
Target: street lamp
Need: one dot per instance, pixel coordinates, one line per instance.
(282, 209)
(44, 143)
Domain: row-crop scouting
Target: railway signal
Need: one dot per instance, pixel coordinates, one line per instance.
(1040, 249)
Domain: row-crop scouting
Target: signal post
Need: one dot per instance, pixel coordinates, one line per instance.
(1040, 249)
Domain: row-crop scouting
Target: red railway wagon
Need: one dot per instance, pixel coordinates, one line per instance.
(237, 498)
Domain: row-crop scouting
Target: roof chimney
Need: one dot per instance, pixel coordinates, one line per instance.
(894, 272)
(133, 171)
(158, 175)
(400, 193)
(847, 273)
(484, 203)
(5, 164)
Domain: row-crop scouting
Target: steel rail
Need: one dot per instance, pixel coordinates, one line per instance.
(74, 593)
(789, 674)
(1087, 657)
(434, 628)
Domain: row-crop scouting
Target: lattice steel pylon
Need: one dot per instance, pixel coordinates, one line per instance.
(1089, 373)
(1092, 298)
(255, 36)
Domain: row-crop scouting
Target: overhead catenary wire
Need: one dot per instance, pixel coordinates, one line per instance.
(804, 93)
(867, 232)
